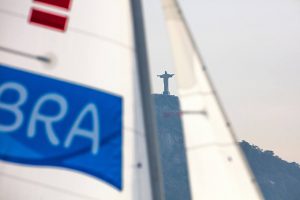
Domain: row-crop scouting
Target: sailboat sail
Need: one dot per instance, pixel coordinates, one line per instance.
(217, 169)
(71, 119)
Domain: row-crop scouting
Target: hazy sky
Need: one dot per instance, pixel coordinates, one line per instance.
(252, 50)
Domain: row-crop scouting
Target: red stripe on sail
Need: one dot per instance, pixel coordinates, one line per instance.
(59, 3)
(50, 20)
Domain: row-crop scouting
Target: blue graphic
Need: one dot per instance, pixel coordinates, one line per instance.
(49, 122)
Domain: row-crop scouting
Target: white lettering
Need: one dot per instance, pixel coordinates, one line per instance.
(93, 134)
(13, 107)
(47, 120)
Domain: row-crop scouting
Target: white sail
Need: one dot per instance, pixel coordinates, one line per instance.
(96, 50)
(217, 169)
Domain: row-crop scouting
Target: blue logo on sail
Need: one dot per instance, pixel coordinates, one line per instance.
(48, 122)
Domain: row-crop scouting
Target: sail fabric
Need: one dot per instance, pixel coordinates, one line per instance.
(217, 169)
(71, 121)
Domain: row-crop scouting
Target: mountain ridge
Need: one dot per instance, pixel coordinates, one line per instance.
(277, 178)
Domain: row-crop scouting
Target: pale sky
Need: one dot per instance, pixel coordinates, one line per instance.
(252, 50)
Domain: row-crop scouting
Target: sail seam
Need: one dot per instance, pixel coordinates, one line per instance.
(103, 38)
(132, 130)
(202, 146)
(47, 186)
(13, 14)
(74, 30)
(209, 93)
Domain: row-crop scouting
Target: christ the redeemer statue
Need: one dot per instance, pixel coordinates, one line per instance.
(165, 78)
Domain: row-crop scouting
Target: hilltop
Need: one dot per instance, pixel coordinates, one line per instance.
(277, 178)
(171, 145)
